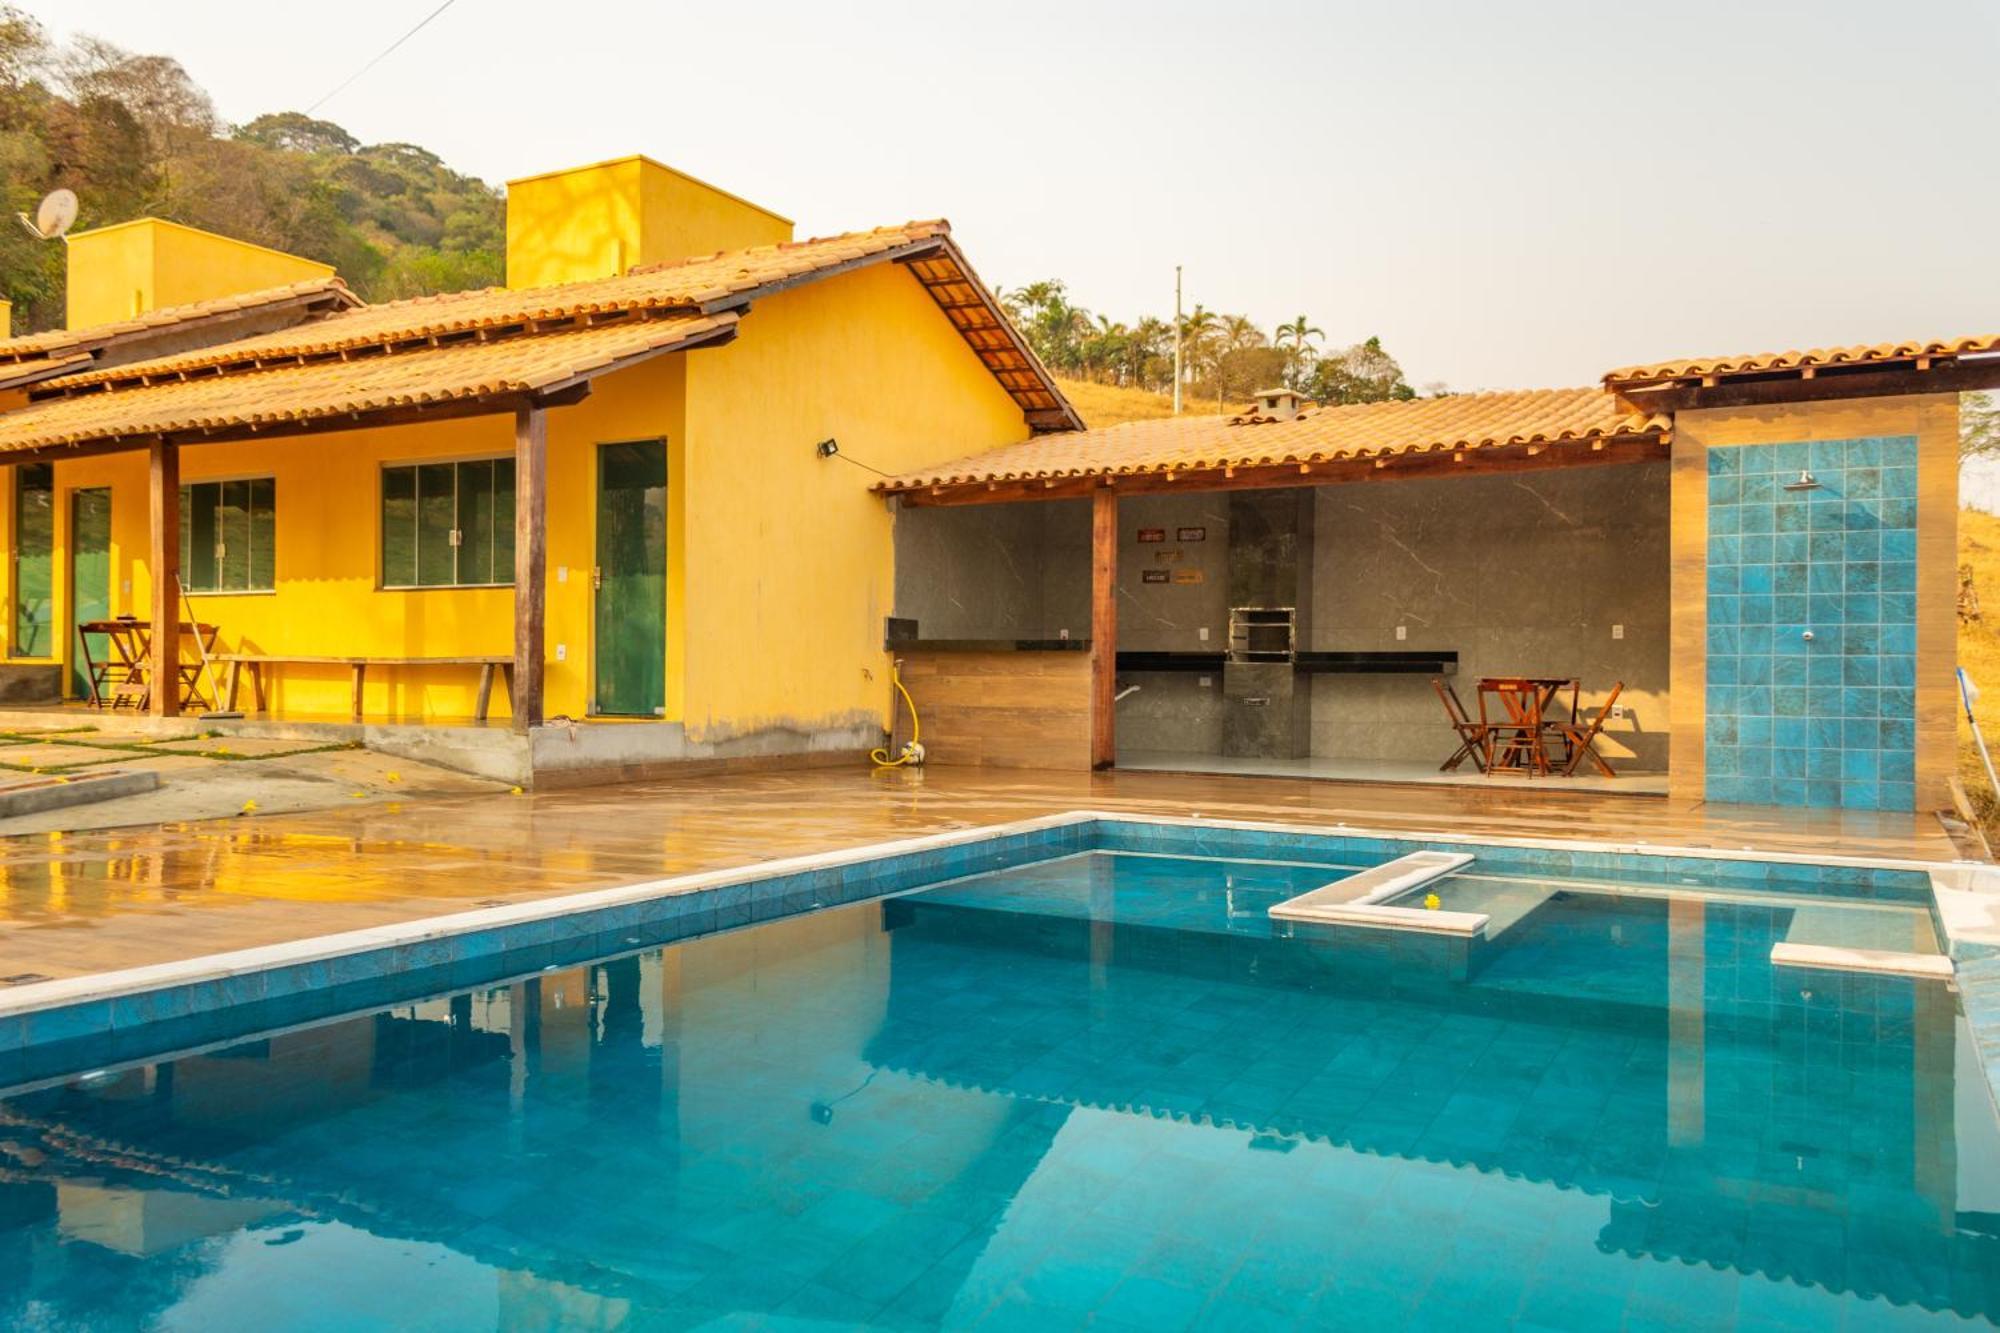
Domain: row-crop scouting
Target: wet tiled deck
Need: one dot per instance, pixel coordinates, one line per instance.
(89, 902)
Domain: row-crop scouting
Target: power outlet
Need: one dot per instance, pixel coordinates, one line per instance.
(1203, 632)
(1206, 682)
(1402, 633)
(1617, 631)
(1617, 712)
(562, 652)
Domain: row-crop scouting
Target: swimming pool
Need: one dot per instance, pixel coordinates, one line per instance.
(1099, 1086)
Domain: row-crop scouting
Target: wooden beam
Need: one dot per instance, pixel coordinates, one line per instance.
(1829, 382)
(163, 508)
(1512, 460)
(1103, 627)
(531, 472)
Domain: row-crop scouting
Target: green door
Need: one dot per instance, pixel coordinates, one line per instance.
(89, 576)
(631, 579)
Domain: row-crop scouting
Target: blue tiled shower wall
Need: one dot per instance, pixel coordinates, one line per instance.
(1812, 624)
(91, 1033)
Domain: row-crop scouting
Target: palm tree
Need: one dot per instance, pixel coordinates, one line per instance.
(1236, 334)
(1295, 340)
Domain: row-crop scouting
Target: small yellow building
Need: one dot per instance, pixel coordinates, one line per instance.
(633, 484)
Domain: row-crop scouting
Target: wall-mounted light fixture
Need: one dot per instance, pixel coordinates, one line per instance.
(827, 448)
(1806, 482)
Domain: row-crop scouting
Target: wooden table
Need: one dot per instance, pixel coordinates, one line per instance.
(125, 673)
(1528, 709)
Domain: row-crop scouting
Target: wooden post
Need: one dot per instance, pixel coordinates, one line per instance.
(164, 515)
(531, 469)
(1103, 627)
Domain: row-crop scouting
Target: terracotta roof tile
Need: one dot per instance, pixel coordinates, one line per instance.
(339, 389)
(1753, 363)
(19, 374)
(721, 279)
(1187, 444)
(35, 345)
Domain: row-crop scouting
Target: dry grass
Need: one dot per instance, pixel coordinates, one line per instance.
(1108, 404)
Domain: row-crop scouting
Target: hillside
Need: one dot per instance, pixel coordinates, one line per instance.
(134, 136)
(1111, 404)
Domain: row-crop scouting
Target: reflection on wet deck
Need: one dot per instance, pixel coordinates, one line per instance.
(88, 902)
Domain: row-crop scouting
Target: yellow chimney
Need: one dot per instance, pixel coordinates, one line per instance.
(600, 220)
(129, 268)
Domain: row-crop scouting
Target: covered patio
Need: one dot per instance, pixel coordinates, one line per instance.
(1273, 612)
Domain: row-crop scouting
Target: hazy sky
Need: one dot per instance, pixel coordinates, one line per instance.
(1509, 193)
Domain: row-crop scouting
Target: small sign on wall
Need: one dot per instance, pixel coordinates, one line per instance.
(1187, 576)
(1191, 534)
(1170, 556)
(1152, 534)
(1153, 576)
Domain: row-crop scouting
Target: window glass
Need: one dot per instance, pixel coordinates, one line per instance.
(437, 507)
(229, 535)
(399, 527)
(34, 561)
(448, 524)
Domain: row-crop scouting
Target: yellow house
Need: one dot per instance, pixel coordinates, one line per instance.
(634, 485)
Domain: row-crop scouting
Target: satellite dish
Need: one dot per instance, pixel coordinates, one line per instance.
(53, 216)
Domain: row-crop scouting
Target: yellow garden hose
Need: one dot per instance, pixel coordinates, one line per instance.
(913, 750)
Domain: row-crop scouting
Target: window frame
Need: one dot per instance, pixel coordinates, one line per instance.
(186, 557)
(414, 467)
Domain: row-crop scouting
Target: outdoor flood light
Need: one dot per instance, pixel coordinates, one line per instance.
(827, 448)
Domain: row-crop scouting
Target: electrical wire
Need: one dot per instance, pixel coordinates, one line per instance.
(383, 55)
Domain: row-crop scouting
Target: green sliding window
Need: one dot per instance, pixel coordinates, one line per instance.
(229, 536)
(448, 524)
(34, 561)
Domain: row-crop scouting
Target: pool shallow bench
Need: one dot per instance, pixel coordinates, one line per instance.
(86, 1022)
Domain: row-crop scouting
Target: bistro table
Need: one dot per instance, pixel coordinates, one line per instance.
(1518, 713)
(124, 674)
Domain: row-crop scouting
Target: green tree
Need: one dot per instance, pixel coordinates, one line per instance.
(1978, 425)
(1363, 373)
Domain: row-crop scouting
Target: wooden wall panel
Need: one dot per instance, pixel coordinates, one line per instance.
(1002, 709)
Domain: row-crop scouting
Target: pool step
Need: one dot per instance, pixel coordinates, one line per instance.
(1358, 898)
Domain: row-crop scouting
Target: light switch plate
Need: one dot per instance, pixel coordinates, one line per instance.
(1402, 633)
(1203, 631)
(562, 573)
(1617, 631)
(1205, 682)
(562, 652)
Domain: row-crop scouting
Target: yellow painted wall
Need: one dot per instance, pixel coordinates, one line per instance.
(128, 269)
(6, 319)
(789, 566)
(780, 563)
(600, 220)
(328, 600)
(1933, 420)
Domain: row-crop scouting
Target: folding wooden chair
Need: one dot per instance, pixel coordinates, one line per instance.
(1580, 739)
(1472, 735)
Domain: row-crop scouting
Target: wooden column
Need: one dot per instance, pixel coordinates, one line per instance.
(163, 499)
(1103, 627)
(531, 541)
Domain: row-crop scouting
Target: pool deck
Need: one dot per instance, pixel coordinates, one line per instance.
(80, 903)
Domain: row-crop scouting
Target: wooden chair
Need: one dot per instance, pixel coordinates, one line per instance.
(1472, 736)
(1580, 739)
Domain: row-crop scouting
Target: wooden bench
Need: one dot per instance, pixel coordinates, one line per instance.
(359, 665)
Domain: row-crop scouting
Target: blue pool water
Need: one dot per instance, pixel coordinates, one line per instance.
(1095, 1092)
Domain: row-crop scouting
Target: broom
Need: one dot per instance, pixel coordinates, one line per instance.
(207, 666)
